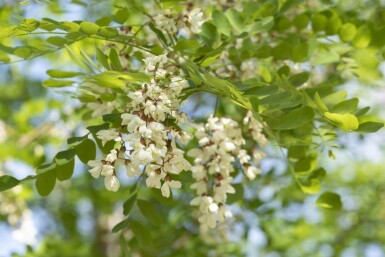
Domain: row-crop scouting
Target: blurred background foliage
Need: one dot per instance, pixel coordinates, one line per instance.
(273, 216)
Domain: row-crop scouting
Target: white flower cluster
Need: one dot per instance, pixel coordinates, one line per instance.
(149, 132)
(255, 129)
(106, 168)
(220, 146)
(194, 20)
(168, 21)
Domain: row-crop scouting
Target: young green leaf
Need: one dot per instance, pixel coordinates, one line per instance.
(59, 74)
(329, 200)
(57, 83)
(115, 62)
(7, 182)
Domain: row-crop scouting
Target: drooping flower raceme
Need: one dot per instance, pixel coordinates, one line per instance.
(221, 145)
(149, 140)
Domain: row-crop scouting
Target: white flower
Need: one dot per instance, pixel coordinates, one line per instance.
(200, 186)
(258, 155)
(111, 183)
(169, 184)
(195, 20)
(166, 23)
(251, 172)
(107, 170)
(153, 180)
(133, 169)
(99, 109)
(223, 213)
(108, 135)
(96, 168)
(144, 156)
(112, 156)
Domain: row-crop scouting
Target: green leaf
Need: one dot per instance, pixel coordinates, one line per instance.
(120, 226)
(114, 58)
(329, 200)
(235, 20)
(57, 83)
(321, 106)
(261, 26)
(104, 21)
(299, 79)
(141, 233)
(45, 182)
(347, 32)
(64, 157)
(7, 182)
(301, 21)
(128, 204)
(89, 27)
(294, 119)
(210, 31)
(160, 198)
(300, 52)
(121, 16)
(48, 167)
(261, 91)
(148, 210)
(221, 22)
(110, 79)
(74, 141)
(57, 41)
(370, 127)
(333, 25)
(347, 106)
(362, 111)
(319, 22)
(304, 165)
(96, 128)
(46, 25)
(79, 59)
(312, 184)
(277, 98)
(108, 32)
(187, 46)
(65, 171)
(362, 38)
(282, 51)
(63, 74)
(102, 59)
(86, 150)
(347, 122)
(70, 26)
(324, 56)
(4, 58)
(23, 52)
(159, 34)
(29, 25)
